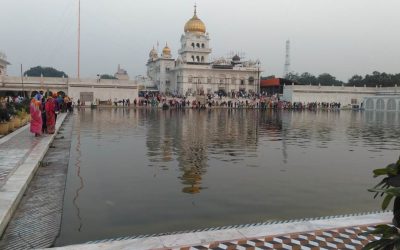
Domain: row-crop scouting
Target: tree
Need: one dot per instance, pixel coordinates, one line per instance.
(308, 78)
(389, 186)
(376, 78)
(45, 72)
(356, 80)
(327, 79)
(106, 76)
(294, 77)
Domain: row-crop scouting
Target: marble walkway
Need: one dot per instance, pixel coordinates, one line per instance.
(20, 155)
(336, 232)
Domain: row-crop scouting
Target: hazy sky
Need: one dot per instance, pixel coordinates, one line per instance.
(341, 37)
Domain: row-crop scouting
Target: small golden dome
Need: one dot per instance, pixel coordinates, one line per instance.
(153, 53)
(195, 25)
(166, 50)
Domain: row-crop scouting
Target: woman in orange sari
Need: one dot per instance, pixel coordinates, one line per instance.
(50, 108)
(36, 115)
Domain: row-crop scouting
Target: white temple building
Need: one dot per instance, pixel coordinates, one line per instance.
(192, 72)
(3, 64)
(121, 74)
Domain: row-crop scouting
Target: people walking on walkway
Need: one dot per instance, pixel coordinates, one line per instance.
(36, 115)
(50, 108)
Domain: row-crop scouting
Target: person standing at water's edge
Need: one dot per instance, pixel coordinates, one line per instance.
(36, 115)
(50, 108)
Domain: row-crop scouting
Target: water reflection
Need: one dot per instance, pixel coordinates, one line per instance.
(154, 171)
(196, 138)
(81, 183)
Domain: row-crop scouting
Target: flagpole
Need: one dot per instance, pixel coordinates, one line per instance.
(79, 39)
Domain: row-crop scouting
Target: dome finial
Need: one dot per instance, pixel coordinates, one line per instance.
(195, 25)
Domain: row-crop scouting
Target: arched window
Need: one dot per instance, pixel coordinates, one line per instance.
(192, 58)
(202, 59)
(193, 45)
(198, 45)
(251, 80)
(391, 104)
(380, 104)
(369, 104)
(198, 58)
(202, 45)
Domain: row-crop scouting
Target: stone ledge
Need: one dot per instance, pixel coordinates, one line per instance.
(14, 133)
(12, 191)
(238, 233)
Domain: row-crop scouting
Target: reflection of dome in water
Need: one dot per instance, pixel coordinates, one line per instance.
(191, 190)
(195, 25)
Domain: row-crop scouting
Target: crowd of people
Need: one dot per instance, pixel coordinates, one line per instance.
(211, 101)
(44, 108)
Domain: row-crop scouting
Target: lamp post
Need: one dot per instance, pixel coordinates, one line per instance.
(22, 82)
(258, 77)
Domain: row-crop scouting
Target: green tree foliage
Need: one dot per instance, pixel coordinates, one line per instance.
(328, 80)
(389, 187)
(45, 71)
(294, 77)
(106, 76)
(375, 79)
(370, 80)
(307, 78)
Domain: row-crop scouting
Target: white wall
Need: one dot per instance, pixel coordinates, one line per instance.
(104, 94)
(340, 94)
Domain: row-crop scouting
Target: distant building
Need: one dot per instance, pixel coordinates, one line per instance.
(3, 64)
(121, 74)
(193, 72)
(272, 86)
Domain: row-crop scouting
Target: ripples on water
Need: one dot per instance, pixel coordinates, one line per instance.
(153, 171)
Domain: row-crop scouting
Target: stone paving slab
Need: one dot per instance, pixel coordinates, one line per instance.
(20, 155)
(36, 222)
(340, 232)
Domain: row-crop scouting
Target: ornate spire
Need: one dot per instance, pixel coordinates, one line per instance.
(195, 24)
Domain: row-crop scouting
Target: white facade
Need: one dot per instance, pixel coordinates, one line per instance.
(121, 74)
(347, 96)
(382, 103)
(3, 64)
(91, 89)
(193, 72)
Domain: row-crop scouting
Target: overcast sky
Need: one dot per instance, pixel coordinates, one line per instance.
(341, 37)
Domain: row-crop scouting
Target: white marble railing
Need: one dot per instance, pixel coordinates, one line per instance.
(14, 82)
(316, 88)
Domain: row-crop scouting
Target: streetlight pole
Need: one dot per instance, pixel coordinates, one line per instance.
(22, 82)
(258, 78)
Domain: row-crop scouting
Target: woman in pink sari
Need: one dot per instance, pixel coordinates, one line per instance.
(36, 115)
(50, 108)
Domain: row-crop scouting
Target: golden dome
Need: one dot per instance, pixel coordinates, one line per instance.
(153, 53)
(195, 25)
(166, 50)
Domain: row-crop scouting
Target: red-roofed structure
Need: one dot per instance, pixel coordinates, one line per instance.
(273, 85)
